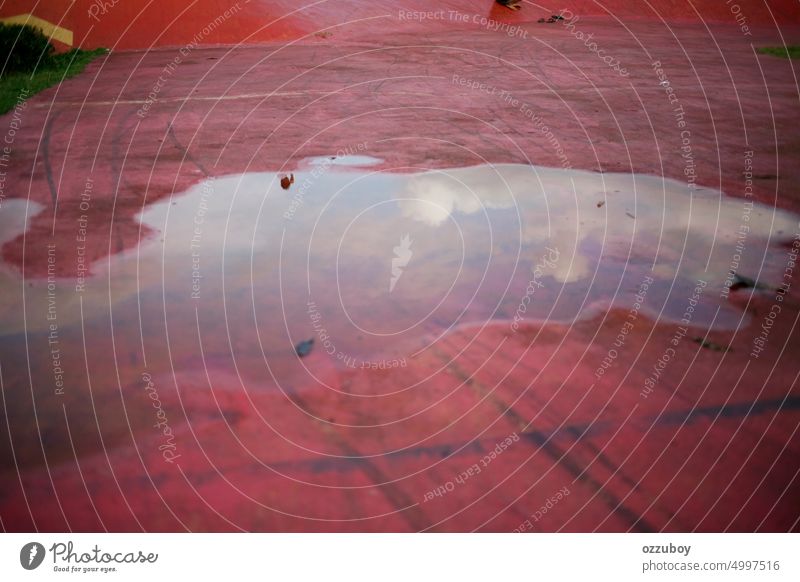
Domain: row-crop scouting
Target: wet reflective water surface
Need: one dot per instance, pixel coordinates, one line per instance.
(377, 266)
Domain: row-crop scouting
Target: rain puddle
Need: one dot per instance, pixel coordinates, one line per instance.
(375, 266)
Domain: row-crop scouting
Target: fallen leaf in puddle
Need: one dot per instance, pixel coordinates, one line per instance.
(711, 345)
(304, 347)
(742, 282)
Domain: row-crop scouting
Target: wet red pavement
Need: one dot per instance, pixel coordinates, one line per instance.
(258, 439)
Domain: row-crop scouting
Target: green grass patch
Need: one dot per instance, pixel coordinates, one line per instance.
(787, 52)
(14, 86)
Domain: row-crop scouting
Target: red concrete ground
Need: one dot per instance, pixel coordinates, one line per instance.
(137, 24)
(714, 447)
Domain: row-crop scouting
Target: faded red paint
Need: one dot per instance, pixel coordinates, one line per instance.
(715, 447)
(140, 24)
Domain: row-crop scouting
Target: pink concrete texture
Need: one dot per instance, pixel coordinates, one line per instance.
(715, 448)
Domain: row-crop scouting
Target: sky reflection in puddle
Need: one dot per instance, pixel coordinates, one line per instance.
(376, 265)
